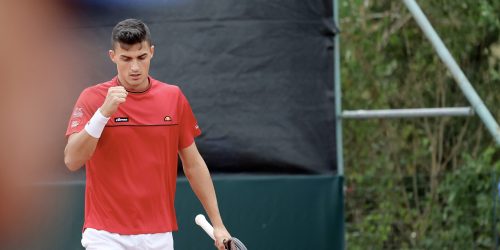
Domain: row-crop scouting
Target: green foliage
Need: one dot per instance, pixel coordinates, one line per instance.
(463, 218)
(420, 183)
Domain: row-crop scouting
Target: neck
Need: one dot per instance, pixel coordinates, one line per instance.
(135, 89)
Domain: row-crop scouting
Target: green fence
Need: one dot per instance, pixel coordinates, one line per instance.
(265, 212)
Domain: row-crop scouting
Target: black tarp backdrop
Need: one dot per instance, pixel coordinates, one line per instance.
(258, 74)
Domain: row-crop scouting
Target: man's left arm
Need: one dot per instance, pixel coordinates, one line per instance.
(197, 173)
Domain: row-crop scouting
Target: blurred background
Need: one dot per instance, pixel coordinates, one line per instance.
(260, 78)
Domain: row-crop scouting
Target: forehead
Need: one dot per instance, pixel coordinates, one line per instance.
(131, 50)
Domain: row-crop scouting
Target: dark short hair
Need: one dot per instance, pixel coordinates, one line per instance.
(130, 32)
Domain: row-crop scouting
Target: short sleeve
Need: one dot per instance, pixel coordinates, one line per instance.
(80, 115)
(189, 128)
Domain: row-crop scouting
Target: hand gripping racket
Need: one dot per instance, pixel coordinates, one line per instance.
(231, 244)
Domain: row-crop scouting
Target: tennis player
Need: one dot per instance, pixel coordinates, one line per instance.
(128, 132)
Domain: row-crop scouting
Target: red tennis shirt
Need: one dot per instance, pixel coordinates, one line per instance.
(131, 177)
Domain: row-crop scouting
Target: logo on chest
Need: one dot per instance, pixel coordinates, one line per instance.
(121, 119)
(167, 118)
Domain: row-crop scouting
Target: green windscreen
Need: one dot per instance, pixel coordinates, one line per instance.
(264, 212)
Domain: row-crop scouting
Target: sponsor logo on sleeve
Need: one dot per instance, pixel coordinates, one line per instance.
(78, 112)
(75, 123)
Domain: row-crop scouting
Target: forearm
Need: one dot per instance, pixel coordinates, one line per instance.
(79, 149)
(81, 145)
(202, 185)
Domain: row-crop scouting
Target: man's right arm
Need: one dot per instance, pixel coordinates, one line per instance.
(81, 145)
(79, 149)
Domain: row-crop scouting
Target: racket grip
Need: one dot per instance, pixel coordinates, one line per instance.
(201, 221)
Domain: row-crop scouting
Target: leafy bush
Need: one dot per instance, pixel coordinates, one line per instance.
(419, 183)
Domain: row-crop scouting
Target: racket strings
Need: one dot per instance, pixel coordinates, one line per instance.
(239, 245)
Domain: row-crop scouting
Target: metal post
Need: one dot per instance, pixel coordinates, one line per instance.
(338, 94)
(455, 70)
(407, 113)
(338, 116)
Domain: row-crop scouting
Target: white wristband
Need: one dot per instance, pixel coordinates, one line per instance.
(96, 124)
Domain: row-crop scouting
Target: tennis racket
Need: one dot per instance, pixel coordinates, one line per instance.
(231, 244)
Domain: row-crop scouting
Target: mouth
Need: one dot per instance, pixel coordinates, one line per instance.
(135, 76)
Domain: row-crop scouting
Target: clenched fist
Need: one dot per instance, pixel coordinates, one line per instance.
(116, 96)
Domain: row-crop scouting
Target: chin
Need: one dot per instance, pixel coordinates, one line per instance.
(135, 82)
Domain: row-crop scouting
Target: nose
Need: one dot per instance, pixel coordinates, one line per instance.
(134, 66)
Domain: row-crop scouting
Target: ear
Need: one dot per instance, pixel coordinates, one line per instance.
(112, 55)
(152, 50)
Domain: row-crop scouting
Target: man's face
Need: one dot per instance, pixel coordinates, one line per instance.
(132, 63)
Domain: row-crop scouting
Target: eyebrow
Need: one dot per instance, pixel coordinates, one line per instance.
(127, 57)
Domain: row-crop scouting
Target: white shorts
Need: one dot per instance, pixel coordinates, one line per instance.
(93, 239)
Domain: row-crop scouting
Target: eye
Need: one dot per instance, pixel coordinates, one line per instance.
(126, 59)
(142, 57)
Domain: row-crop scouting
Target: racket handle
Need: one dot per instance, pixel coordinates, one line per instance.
(203, 223)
